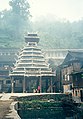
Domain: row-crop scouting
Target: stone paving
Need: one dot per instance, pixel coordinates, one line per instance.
(4, 108)
(5, 96)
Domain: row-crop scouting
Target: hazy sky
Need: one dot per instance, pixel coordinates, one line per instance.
(69, 9)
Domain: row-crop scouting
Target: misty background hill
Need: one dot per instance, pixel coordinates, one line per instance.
(54, 33)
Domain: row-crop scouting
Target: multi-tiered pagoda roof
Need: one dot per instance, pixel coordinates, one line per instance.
(31, 70)
(31, 61)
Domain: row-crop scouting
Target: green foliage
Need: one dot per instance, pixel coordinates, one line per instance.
(14, 23)
(39, 104)
(20, 8)
(45, 109)
(59, 34)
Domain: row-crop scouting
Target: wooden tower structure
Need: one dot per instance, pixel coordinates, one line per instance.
(31, 71)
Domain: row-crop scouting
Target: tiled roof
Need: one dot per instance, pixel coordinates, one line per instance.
(10, 50)
(7, 58)
(31, 61)
(8, 54)
(73, 56)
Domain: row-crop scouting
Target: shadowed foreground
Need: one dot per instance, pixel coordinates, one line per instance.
(4, 108)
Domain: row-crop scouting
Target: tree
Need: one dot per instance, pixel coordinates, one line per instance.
(20, 8)
(15, 22)
(20, 16)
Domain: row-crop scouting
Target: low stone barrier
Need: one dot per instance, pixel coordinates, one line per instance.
(13, 113)
(39, 96)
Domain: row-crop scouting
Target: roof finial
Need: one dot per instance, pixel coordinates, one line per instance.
(32, 37)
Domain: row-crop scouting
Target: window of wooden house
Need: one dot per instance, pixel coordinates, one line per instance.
(65, 77)
(68, 77)
(8, 82)
(70, 87)
(76, 93)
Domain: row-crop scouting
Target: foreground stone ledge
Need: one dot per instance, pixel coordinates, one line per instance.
(13, 113)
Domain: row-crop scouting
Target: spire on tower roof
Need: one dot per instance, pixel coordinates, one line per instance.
(31, 37)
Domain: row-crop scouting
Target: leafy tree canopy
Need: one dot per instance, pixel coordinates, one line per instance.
(20, 7)
(14, 23)
(59, 33)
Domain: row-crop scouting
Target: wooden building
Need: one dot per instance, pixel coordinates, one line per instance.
(31, 70)
(77, 84)
(7, 56)
(72, 64)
